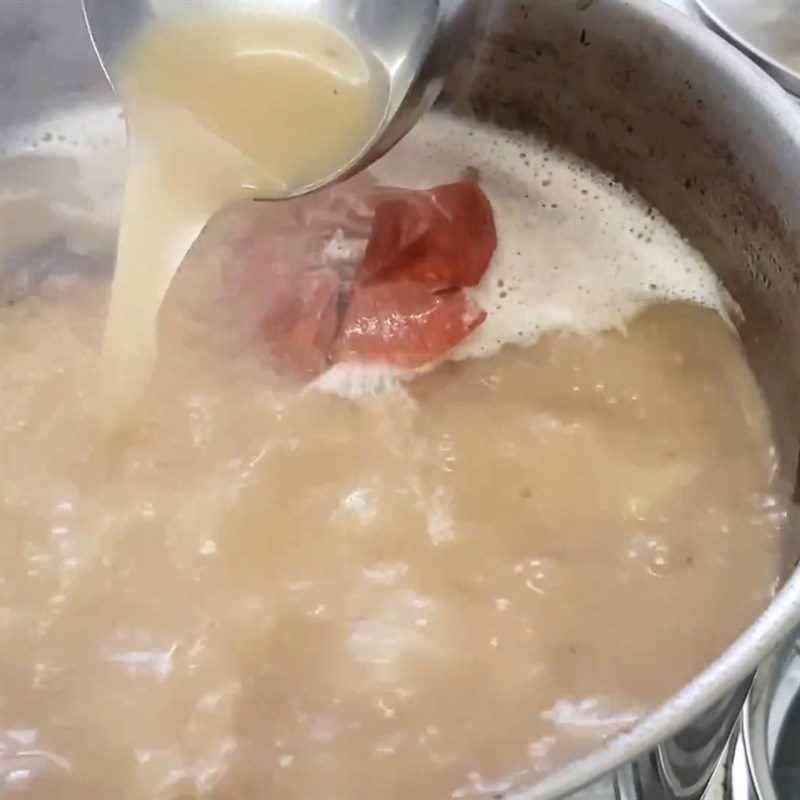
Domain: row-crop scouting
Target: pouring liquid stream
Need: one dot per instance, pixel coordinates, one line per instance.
(221, 109)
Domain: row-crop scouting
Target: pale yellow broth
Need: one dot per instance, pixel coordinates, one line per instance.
(220, 107)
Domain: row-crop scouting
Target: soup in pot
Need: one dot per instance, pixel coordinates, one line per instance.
(373, 548)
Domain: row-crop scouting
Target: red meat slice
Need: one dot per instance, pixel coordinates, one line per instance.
(374, 274)
(403, 323)
(302, 320)
(443, 237)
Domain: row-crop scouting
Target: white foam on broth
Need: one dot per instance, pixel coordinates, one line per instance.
(577, 252)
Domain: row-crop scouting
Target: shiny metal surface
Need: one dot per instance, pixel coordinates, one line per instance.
(416, 41)
(658, 101)
(775, 689)
(767, 30)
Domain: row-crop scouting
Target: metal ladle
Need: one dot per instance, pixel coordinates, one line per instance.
(417, 41)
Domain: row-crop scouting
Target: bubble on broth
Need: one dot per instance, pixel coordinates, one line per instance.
(70, 185)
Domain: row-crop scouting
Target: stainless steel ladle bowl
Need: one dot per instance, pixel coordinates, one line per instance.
(416, 41)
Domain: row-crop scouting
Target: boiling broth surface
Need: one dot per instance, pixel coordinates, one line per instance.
(256, 589)
(262, 594)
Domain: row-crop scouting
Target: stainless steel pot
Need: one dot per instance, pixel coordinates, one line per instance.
(665, 106)
(761, 764)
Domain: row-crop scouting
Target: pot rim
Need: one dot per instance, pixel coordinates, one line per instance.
(781, 616)
(787, 77)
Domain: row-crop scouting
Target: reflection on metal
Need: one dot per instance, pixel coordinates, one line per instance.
(762, 761)
(765, 30)
(760, 767)
(679, 768)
